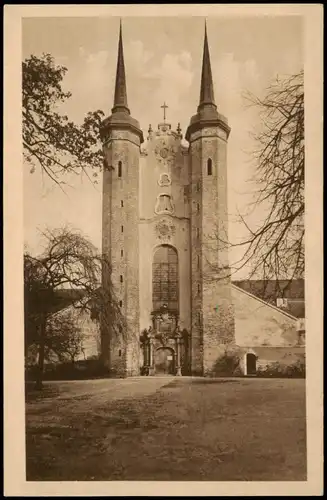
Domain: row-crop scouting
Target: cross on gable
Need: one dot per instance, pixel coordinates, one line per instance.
(164, 107)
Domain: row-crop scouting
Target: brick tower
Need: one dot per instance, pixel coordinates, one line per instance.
(212, 318)
(121, 136)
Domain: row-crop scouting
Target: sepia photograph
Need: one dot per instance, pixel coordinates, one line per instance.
(164, 250)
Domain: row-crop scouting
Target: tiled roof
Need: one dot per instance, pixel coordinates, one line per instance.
(270, 290)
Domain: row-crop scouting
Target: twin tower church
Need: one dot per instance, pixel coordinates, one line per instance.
(164, 207)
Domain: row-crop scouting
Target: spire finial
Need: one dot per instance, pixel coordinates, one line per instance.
(120, 99)
(207, 92)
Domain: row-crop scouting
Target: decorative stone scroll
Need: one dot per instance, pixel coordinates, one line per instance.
(164, 180)
(165, 230)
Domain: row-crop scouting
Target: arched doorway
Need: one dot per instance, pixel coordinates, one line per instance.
(164, 361)
(251, 364)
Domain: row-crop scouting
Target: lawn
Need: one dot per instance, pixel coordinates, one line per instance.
(167, 429)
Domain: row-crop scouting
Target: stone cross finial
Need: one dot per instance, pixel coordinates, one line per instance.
(164, 107)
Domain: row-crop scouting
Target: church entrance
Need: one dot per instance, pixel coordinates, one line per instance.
(164, 361)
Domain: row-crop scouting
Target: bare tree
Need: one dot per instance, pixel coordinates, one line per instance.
(64, 336)
(70, 262)
(274, 248)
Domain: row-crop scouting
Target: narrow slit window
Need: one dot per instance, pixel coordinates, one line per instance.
(121, 203)
(198, 186)
(120, 303)
(121, 278)
(122, 253)
(120, 169)
(122, 229)
(198, 262)
(197, 233)
(119, 352)
(199, 289)
(198, 208)
(209, 166)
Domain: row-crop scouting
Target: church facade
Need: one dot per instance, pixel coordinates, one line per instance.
(165, 228)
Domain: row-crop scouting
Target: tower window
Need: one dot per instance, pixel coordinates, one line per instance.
(199, 289)
(209, 166)
(121, 278)
(198, 186)
(120, 169)
(122, 253)
(197, 233)
(198, 208)
(120, 303)
(198, 262)
(119, 352)
(122, 229)
(121, 203)
(199, 318)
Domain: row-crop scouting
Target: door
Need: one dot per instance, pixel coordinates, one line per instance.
(164, 362)
(251, 364)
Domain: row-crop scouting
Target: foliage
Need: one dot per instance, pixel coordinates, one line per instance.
(50, 140)
(68, 273)
(280, 370)
(64, 336)
(228, 364)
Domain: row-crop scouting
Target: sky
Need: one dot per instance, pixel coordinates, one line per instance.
(163, 58)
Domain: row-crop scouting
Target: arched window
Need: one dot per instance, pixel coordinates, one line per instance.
(120, 169)
(165, 278)
(209, 166)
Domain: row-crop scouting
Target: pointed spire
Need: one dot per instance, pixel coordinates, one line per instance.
(206, 94)
(120, 99)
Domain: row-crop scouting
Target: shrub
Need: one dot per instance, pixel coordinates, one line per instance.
(227, 365)
(279, 370)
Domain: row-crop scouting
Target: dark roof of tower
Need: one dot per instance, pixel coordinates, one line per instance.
(206, 93)
(120, 98)
(207, 113)
(121, 116)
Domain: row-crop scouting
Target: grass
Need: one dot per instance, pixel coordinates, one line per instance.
(167, 429)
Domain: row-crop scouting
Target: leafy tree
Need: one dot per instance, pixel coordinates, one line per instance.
(50, 140)
(65, 337)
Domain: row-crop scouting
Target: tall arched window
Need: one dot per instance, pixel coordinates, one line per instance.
(165, 278)
(209, 166)
(120, 169)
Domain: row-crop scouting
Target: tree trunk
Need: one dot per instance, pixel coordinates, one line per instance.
(40, 368)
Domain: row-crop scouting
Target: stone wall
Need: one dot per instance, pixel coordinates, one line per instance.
(164, 171)
(121, 245)
(212, 308)
(261, 324)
